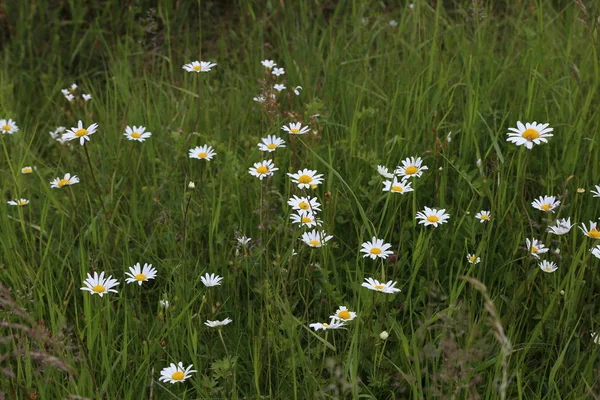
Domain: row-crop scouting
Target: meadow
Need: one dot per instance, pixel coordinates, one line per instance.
(335, 204)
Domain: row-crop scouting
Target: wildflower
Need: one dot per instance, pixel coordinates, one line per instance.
(271, 143)
(411, 167)
(315, 238)
(215, 324)
(70, 97)
(259, 99)
(548, 266)
(333, 324)
(305, 203)
(306, 178)
(562, 227)
(262, 169)
(139, 274)
(211, 280)
(8, 126)
(592, 232)
(268, 64)
(449, 137)
(164, 303)
(432, 216)
(137, 133)
(243, 240)
(19, 202)
(580, 190)
(176, 373)
(394, 186)
(80, 133)
(596, 337)
(296, 128)
(199, 66)
(66, 181)
(393, 23)
(596, 192)
(384, 335)
(86, 97)
(278, 71)
(57, 132)
(342, 314)
(546, 203)
(383, 171)
(483, 216)
(529, 134)
(297, 90)
(74, 87)
(473, 259)
(374, 284)
(279, 87)
(98, 285)
(596, 251)
(305, 218)
(191, 185)
(205, 152)
(376, 248)
(535, 247)
(27, 170)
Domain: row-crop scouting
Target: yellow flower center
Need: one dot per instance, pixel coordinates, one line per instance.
(433, 218)
(411, 170)
(262, 169)
(178, 376)
(196, 68)
(305, 179)
(27, 170)
(344, 314)
(397, 188)
(379, 287)
(99, 289)
(306, 220)
(6, 127)
(530, 134)
(304, 205)
(314, 242)
(534, 249)
(21, 202)
(325, 325)
(375, 250)
(548, 268)
(486, 217)
(472, 259)
(594, 233)
(202, 155)
(136, 135)
(271, 146)
(546, 207)
(294, 130)
(140, 277)
(81, 132)
(62, 182)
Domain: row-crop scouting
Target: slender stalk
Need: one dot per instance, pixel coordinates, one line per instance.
(89, 160)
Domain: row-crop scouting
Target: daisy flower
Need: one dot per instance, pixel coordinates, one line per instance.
(374, 284)
(278, 71)
(592, 232)
(562, 227)
(333, 324)
(596, 192)
(305, 218)
(529, 134)
(271, 143)
(205, 152)
(279, 87)
(305, 203)
(215, 324)
(199, 66)
(473, 259)
(383, 171)
(57, 132)
(70, 97)
(432, 216)
(8, 126)
(176, 373)
(268, 63)
(27, 170)
(411, 167)
(80, 133)
(483, 216)
(548, 266)
(262, 169)
(295, 128)
(19, 202)
(396, 186)
(376, 248)
(98, 285)
(210, 280)
(66, 181)
(137, 133)
(86, 97)
(315, 238)
(139, 274)
(306, 178)
(342, 314)
(546, 203)
(535, 247)
(596, 251)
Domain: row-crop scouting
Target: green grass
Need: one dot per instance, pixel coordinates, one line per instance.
(382, 94)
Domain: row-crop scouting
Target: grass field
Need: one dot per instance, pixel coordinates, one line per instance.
(380, 82)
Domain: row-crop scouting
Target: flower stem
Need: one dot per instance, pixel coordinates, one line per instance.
(89, 160)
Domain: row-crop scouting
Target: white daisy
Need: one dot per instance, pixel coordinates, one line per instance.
(432, 216)
(205, 152)
(8, 126)
(216, 324)
(295, 128)
(342, 314)
(279, 87)
(374, 284)
(176, 373)
(529, 134)
(411, 167)
(268, 63)
(271, 143)
(376, 248)
(86, 97)
(57, 132)
(199, 66)
(139, 274)
(592, 232)
(137, 133)
(315, 238)
(596, 192)
(66, 181)
(333, 324)
(262, 169)
(305, 218)
(548, 266)
(393, 23)
(473, 259)
(69, 97)
(18, 202)
(395, 186)
(596, 251)
(80, 133)
(483, 216)
(306, 178)
(210, 280)
(546, 203)
(383, 171)
(98, 285)
(74, 87)
(305, 203)
(278, 71)
(28, 169)
(562, 227)
(535, 247)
